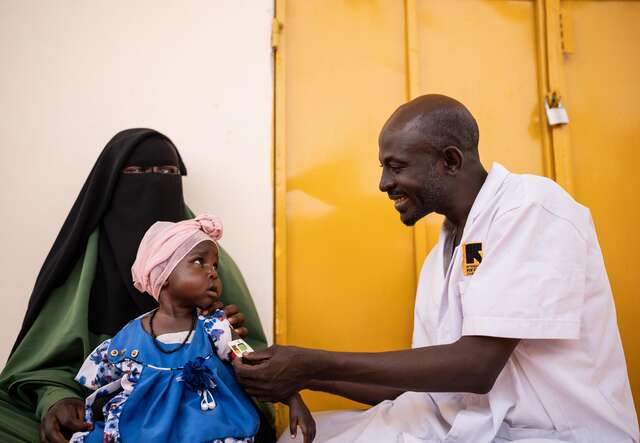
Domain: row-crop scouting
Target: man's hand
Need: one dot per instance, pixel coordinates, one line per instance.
(63, 419)
(236, 319)
(471, 364)
(299, 416)
(274, 374)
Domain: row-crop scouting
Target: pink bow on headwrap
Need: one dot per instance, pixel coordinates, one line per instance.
(165, 244)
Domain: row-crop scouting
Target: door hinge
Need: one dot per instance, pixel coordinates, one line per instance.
(276, 32)
(566, 32)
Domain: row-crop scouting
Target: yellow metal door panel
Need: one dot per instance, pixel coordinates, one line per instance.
(484, 54)
(348, 260)
(603, 92)
(344, 262)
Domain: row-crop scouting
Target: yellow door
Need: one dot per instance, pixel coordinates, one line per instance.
(345, 265)
(599, 80)
(484, 54)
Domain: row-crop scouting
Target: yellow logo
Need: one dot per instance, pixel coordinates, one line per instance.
(471, 257)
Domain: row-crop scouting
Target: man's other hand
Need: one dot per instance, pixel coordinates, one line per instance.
(63, 419)
(299, 416)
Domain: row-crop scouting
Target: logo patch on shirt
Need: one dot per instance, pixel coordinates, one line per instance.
(471, 257)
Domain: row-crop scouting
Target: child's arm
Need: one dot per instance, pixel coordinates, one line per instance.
(97, 370)
(71, 415)
(299, 415)
(223, 336)
(220, 332)
(233, 314)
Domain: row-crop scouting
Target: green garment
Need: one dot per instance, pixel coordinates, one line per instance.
(41, 371)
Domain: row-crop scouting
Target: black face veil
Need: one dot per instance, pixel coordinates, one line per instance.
(123, 207)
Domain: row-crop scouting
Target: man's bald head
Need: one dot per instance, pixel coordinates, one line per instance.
(436, 121)
(428, 150)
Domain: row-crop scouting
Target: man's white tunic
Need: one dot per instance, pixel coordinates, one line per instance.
(534, 272)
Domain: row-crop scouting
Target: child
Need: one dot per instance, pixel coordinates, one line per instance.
(169, 369)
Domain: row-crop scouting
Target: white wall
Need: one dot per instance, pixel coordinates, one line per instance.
(76, 72)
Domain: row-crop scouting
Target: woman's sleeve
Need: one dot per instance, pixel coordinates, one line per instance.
(41, 370)
(218, 328)
(97, 370)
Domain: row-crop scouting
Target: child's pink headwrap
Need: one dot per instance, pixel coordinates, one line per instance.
(165, 244)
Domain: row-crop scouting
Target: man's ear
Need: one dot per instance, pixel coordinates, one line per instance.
(453, 159)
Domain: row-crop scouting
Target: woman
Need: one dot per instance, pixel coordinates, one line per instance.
(85, 284)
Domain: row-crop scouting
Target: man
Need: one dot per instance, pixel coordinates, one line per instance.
(515, 332)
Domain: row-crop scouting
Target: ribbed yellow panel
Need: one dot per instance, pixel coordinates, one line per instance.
(349, 261)
(603, 92)
(484, 54)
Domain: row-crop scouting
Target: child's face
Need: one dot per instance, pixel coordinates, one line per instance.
(194, 281)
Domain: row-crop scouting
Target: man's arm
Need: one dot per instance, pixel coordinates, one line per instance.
(470, 364)
(368, 394)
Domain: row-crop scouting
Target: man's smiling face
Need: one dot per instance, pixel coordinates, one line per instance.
(410, 173)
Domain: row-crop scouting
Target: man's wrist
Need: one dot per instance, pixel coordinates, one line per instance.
(317, 385)
(311, 365)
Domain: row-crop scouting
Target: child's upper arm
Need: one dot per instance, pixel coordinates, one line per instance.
(220, 331)
(97, 370)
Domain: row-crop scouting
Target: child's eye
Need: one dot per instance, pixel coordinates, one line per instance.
(198, 261)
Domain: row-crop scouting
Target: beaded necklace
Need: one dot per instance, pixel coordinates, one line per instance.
(184, 342)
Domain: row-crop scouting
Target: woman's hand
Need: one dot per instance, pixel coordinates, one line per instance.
(233, 314)
(236, 319)
(63, 419)
(299, 416)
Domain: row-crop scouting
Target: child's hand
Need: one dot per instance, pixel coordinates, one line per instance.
(299, 415)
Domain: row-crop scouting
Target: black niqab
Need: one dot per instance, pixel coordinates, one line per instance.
(138, 201)
(123, 206)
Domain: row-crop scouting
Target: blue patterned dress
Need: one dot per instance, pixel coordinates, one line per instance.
(190, 395)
